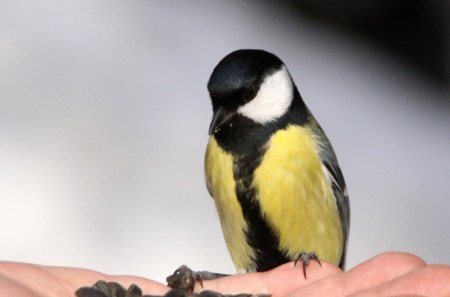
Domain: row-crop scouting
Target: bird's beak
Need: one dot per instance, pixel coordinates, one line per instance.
(220, 117)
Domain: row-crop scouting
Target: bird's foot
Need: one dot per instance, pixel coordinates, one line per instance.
(184, 278)
(305, 257)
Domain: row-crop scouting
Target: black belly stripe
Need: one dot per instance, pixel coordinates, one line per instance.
(260, 236)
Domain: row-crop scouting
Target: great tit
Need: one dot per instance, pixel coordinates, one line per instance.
(277, 185)
(272, 172)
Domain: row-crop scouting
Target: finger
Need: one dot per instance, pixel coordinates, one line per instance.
(379, 269)
(432, 280)
(10, 287)
(63, 281)
(288, 278)
(368, 274)
(77, 277)
(278, 281)
(33, 278)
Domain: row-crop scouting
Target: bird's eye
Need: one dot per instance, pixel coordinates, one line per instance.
(249, 94)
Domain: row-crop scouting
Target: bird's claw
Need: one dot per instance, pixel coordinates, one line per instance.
(305, 257)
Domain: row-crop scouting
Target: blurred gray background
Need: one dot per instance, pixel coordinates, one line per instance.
(104, 115)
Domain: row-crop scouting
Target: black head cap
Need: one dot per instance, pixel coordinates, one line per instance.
(237, 77)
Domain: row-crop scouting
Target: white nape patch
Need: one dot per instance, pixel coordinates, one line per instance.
(272, 100)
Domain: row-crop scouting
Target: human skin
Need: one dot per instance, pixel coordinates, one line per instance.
(388, 274)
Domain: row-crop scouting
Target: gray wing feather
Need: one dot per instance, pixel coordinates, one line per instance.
(331, 164)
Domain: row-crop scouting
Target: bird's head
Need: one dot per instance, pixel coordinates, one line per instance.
(249, 83)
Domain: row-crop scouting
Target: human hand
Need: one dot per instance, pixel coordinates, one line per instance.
(387, 274)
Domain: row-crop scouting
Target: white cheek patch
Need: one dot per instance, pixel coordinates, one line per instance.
(272, 100)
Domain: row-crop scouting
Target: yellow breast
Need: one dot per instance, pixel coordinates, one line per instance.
(296, 197)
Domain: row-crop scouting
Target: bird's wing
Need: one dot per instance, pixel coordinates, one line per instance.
(340, 192)
(333, 172)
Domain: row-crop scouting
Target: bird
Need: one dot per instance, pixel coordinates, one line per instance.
(272, 172)
(270, 168)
